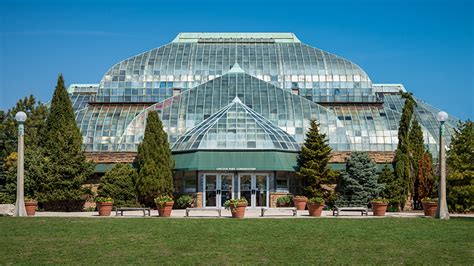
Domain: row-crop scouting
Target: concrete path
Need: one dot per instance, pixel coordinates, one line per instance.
(250, 213)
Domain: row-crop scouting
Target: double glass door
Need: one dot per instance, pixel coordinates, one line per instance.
(254, 188)
(217, 189)
(221, 187)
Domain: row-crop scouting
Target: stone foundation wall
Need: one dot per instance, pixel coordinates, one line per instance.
(198, 202)
(378, 157)
(274, 197)
(129, 157)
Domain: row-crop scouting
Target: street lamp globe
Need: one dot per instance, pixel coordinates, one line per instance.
(442, 116)
(20, 117)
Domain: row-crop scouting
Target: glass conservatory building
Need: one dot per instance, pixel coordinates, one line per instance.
(236, 107)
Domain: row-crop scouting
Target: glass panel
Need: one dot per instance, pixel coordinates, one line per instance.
(245, 187)
(261, 191)
(211, 193)
(226, 187)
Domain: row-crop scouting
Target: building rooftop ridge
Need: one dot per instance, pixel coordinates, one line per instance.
(195, 37)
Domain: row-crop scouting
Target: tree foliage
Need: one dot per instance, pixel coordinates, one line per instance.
(66, 168)
(417, 157)
(154, 162)
(359, 182)
(36, 116)
(460, 162)
(119, 184)
(313, 162)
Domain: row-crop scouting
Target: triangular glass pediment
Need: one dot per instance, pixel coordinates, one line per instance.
(236, 127)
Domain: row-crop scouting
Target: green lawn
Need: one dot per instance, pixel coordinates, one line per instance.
(228, 241)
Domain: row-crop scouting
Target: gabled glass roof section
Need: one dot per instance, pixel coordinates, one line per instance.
(236, 127)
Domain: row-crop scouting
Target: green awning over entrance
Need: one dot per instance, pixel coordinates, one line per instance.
(236, 160)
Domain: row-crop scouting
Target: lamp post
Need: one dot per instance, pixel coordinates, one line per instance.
(20, 182)
(442, 209)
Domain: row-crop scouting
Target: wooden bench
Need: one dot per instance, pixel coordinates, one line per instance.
(336, 211)
(292, 209)
(188, 210)
(124, 209)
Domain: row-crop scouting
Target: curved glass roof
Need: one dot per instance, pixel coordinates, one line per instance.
(236, 127)
(195, 58)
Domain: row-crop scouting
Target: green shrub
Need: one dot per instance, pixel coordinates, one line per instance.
(285, 201)
(317, 200)
(118, 184)
(184, 201)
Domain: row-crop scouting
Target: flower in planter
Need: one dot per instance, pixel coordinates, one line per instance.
(316, 200)
(104, 199)
(162, 200)
(233, 203)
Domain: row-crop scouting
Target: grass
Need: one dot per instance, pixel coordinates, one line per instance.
(228, 241)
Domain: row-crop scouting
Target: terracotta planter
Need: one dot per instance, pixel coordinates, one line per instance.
(165, 211)
(105, 208)
(379, 208)
(315, 209)
(300, 203)
(30, 207)
(239, 211)
(429, 208)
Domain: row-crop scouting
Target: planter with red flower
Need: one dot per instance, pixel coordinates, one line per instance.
(379, 206)
(429, 206)
(164, 204)
(104, 205)
(315, 206)
(237, 207)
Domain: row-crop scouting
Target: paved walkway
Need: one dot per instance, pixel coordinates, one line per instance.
(250, 213)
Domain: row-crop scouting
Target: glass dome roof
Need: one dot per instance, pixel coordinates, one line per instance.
(195, 58)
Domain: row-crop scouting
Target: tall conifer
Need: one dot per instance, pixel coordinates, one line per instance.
(66, 167)
(154, 162)
(313, 162)
(402, 164)
(416, 153)
(460, 161)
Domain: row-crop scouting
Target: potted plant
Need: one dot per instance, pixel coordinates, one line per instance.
(285, 201)
(237, 207)
(164, 204)
(104, 205)
(429, 206)
(30, 206)
(300, 202)
(315, 206)
(379, 206)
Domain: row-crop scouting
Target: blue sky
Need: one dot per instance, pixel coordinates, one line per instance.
(426, 45)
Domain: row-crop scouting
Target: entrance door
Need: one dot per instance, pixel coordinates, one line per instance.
(254, 188)
(217, 189)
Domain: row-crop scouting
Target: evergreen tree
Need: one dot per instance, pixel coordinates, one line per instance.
(460, 162)
(359, 182)
(416, 155)
(154, 162)
(66, 169)
(402, 163)
(119, 184)
(424, 179)
(313, 162)
(392, 187)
